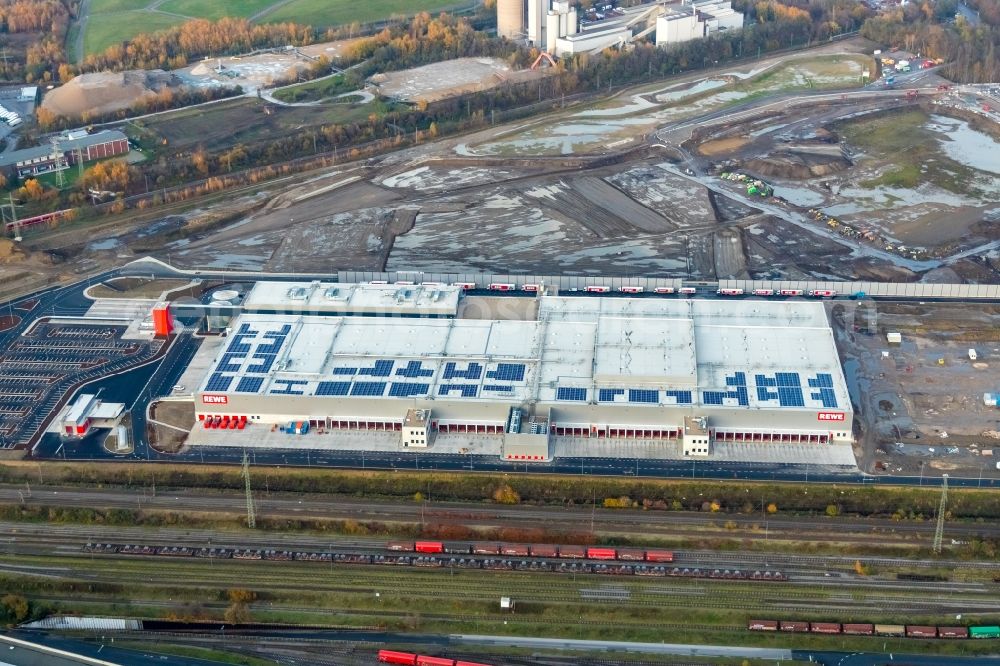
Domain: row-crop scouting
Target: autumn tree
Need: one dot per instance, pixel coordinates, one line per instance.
(504, 494)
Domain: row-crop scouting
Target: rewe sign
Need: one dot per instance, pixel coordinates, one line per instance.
(822, 416)
(210, 399)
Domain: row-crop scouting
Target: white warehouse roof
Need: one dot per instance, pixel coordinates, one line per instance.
(749, 354)
(331, 297)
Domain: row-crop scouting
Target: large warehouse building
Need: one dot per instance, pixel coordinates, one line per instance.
(692, 372)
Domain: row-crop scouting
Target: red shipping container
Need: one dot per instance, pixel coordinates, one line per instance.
(602, 553)
(390, 657)
(423, 660)
(429, 547)
(659, 556)
(859, 629)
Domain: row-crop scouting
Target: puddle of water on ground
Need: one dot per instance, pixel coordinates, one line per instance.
(966, 145)
(798, 196)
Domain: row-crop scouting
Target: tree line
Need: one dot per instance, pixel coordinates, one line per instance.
(972, 52)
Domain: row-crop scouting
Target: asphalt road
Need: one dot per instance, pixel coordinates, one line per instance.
(33, 648)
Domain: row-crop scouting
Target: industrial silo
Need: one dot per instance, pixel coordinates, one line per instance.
(510, 18)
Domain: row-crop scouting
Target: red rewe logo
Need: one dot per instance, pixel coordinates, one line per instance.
(210, 399)
(826, 416)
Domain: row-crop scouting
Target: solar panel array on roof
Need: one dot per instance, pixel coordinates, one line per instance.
(682, 397)
(408, 389)
(231, 362)
(415, 370)
(218, 382)
(333, 388)
(345, 371)
(827, 396)
(288, 387)
(571, 393)
(472, 371)
(507, 372)
(822, 380)
(264, 365)
(466, 390)
(249, 384)
(503, 388)
(609, 395)
(237, 346)
(382, 368)
(368, 389)
(650, 396)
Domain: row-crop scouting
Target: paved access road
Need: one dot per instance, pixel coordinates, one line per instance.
(890, 659)
(30, 648)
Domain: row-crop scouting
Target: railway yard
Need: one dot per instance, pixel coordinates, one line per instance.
(792, 170)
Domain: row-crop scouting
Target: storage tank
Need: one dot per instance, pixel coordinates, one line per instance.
(230, 296)
(510, 18)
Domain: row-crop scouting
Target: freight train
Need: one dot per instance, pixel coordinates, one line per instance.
(487, 556)
(410, 659)
(533, 550)
(862, 629)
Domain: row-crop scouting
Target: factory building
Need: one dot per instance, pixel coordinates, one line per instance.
(685, 372)
(322, 298)
(66, 151)
(696, 20)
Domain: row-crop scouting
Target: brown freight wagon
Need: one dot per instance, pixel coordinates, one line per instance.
(486, 548)
(631, 554)
(762, 625)
(918, 631)
(953, 632)
(797, 627)
(405, 546)
(544, 550)
(824, 627)
(516, 549)
(859, 629)
(575, 552)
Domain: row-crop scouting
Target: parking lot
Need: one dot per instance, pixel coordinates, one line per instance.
(39, 368)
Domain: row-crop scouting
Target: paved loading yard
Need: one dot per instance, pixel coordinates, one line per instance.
(38, 369)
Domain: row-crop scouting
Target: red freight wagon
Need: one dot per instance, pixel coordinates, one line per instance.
(602, 553)
(400, 545)
(762, 625)
(390, 657)
(575, 552)
(543, 550)
(953, 632)
(859, 629)
(824, 627)
(423, 660)
(631, 554)
(429, 547)
(797, 627)
(486, 548)
(514, 549)
(659, 556)
(918, 631)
